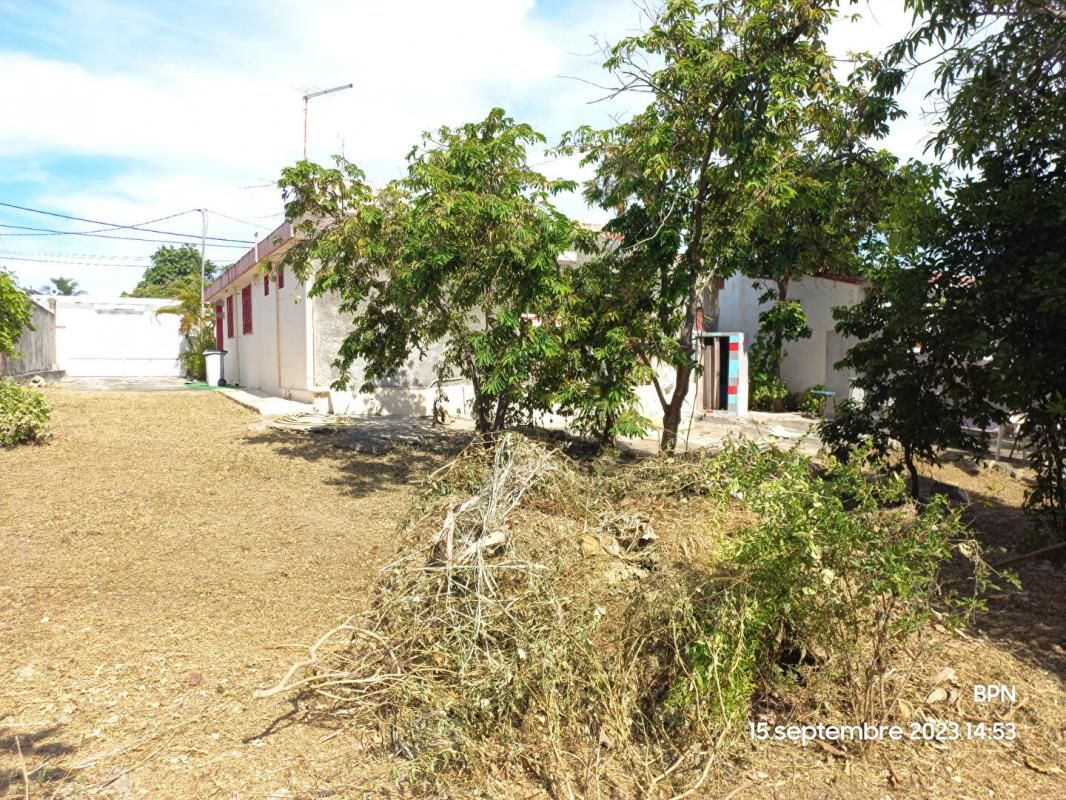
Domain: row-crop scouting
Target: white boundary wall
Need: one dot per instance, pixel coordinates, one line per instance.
(116, 337)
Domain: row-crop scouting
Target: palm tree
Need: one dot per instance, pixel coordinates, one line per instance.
(195, 324)
(66, 286)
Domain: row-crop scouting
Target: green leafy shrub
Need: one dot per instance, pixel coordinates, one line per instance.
(810, 403)
(23, 414)
(822, 591)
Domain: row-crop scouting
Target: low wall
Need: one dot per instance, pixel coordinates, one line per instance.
(36, 348)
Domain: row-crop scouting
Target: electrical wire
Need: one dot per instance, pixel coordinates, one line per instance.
(117, 226)
(73, 263)
(54, 254)
(244, 221)
(53, 232)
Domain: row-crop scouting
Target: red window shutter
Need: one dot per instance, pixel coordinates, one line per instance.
(281, 278)
(246, 309)
(218, 326)
(266, 285)
(229, 317)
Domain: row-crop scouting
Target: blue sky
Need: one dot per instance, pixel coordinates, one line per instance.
(124, 111)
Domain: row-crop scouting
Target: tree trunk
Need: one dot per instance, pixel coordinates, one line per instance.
(672, 411)
(500, 418)
(908, 460)
(779, 339)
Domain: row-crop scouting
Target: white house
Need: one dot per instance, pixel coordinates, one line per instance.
(734, 306)
(279, 340)
(283, 342)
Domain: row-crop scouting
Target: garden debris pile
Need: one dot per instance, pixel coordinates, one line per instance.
(608, 628)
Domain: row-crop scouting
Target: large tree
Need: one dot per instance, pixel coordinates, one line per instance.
(173, 270)
(738, 92)
(912, 360)
(1000, 264)
(460, 254)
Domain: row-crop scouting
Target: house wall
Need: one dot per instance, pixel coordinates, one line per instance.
(37, 347)
(116, 337)
(809, 361)
(273, 357)
(411, 391)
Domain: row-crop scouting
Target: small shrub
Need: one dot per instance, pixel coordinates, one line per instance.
(810, 403)
(822, 592)
(23, 414)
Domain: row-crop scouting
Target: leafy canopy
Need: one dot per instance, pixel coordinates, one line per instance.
(66, 287)
(173, 270)
(14, 313)
(744, 112)
(450, 256)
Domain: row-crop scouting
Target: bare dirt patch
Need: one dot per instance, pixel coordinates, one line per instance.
(162, 558)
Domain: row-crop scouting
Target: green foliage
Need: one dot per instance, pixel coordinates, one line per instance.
(917, 369)
(601, 364)
(66, 286)
(452, 255)
(825, 588)
(784, 321)
(997, 262)
(195, 323)
(173, 271)
(23, 414)
(14, 313)
(743, 103)
(810, 403)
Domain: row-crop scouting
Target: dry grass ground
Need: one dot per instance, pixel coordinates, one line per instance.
(161, 559)
(163, 556)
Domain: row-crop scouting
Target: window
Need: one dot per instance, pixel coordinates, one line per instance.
(266, 285)
(218, 326)
(229, 317)
(281, 278)
(246, 309)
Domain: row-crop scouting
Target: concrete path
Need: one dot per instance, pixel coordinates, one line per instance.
(267, 405)
(785, 430)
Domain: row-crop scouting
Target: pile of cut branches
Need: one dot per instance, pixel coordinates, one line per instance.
(531, 622)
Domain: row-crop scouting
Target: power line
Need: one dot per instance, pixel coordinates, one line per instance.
(116, 226)
(244, 221)
(53, 232)
(73, 263)
(54, 254)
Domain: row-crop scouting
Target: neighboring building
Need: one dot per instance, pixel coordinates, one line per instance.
(733, 305)
(87, 336)
(279, 340)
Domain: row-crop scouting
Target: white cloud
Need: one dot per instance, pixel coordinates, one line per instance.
(190, 109)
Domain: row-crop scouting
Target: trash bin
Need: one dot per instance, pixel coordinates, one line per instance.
(213, 362)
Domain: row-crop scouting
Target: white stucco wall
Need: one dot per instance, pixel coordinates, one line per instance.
(274, 356)
(116, 337)
(809, 361)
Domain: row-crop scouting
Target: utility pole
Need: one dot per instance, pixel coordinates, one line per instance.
(319, 94)
(203, 249)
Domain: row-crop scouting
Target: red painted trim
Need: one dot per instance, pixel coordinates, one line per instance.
(266, 285)
(277, 241)
(218, 326)
(246, 309)
(281, 277)
(229, 317)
